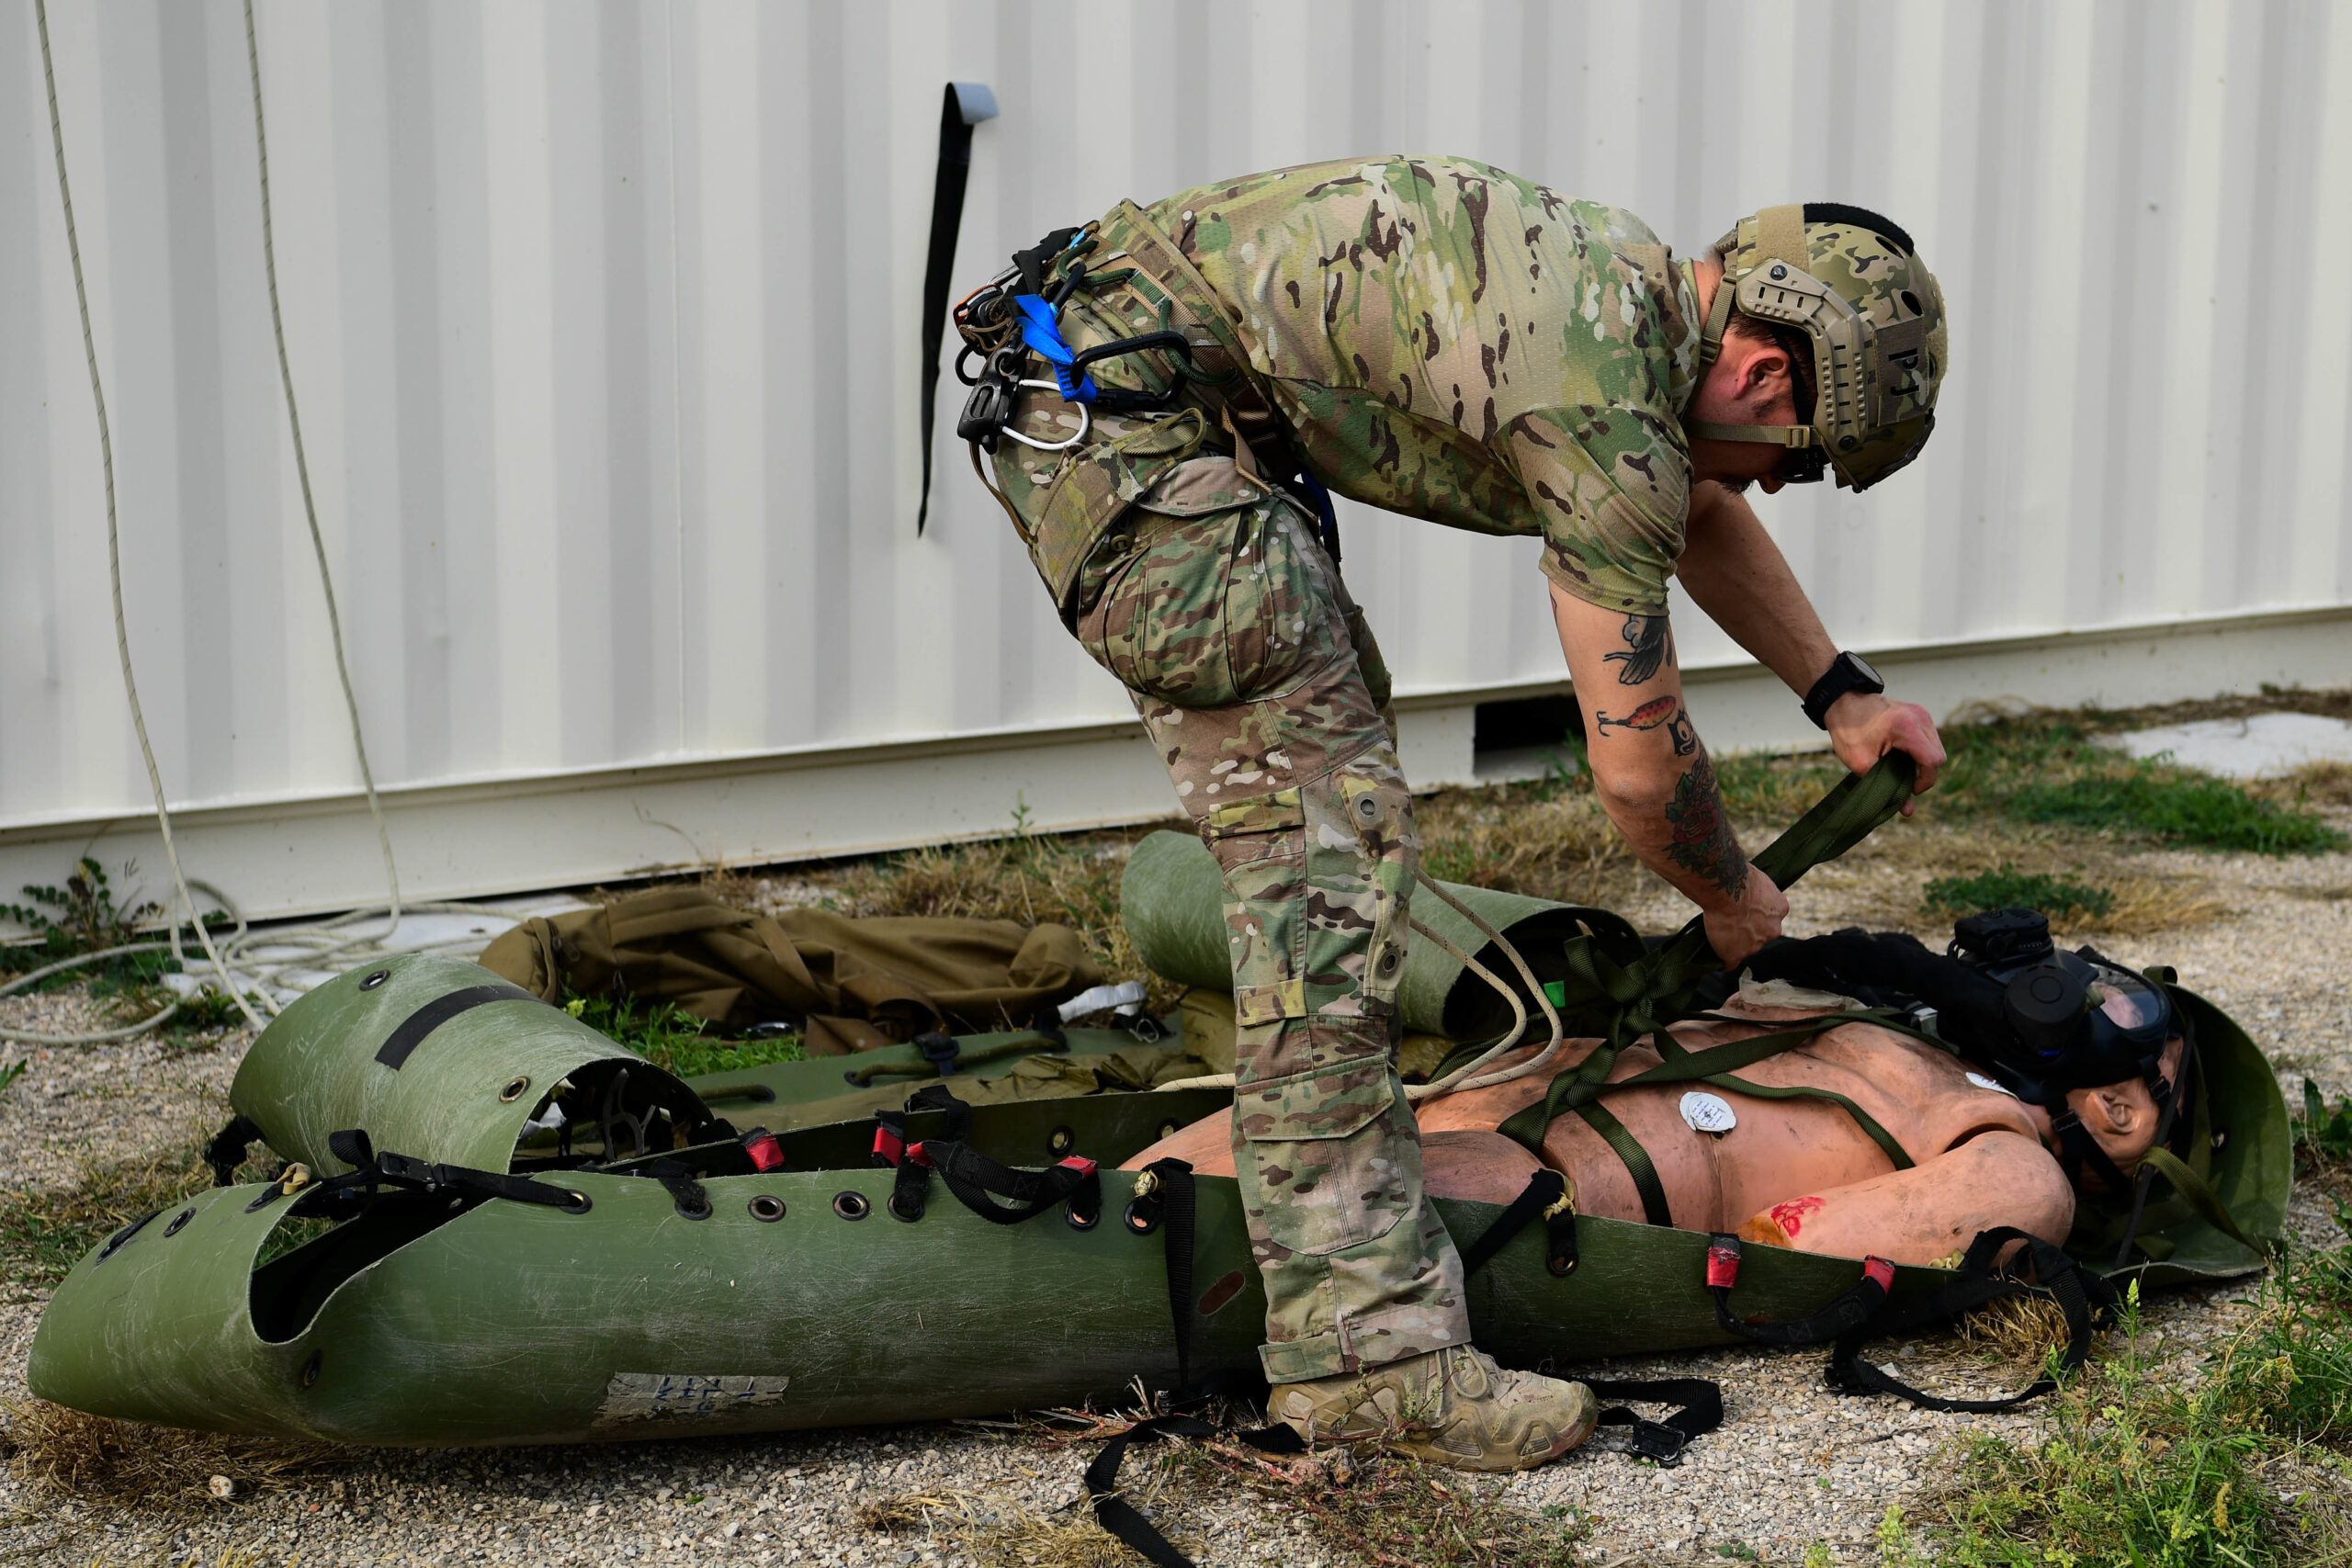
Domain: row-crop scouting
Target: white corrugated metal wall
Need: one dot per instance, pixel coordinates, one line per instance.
(602, 317)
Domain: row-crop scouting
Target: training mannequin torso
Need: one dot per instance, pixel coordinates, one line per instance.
(1796, 1173)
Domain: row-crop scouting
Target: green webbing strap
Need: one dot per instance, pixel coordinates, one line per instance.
(1622, 1002)
(2202, 1199)
(1857, 808)
(1862, 1119)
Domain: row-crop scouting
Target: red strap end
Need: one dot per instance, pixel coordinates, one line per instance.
(1879, 1270)
(889, 1147)
(1723, 1267)
(919, 1155)
(1079, 1164)
(766, 1151)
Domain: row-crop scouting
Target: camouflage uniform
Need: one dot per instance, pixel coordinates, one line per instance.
(1433, 337)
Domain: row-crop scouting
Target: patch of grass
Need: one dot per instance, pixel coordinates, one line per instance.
(80, 917)
(2143, 1467)
(2322, 1138)
(121, 1464)
(2178, 808)
(44, 1232)
(675, 1041)
(1532, 838)
(2005, 887)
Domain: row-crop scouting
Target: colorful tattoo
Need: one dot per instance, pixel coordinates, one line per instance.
(1650, 641)
(1702, 842)
(1651, 715)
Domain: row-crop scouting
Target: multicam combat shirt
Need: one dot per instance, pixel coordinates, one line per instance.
(1454, 342)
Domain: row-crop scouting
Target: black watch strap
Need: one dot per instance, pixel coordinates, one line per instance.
(1848, 673)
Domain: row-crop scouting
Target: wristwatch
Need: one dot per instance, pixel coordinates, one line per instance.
(1848, 673)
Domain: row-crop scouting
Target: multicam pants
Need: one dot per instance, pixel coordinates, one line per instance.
(1264, 693)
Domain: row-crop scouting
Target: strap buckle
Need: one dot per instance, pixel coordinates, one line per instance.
(1657, 1440)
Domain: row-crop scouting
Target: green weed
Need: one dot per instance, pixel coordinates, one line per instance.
(2005, 887)
(81, 917)
(2322, 1138)
(44, 1233)
(678, 1041)
(2178, 808)
(2142, 1468)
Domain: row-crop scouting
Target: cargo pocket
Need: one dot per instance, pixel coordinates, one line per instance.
(1214, 604)
(1327, 1153)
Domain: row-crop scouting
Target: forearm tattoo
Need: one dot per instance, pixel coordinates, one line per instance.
(1650, 641)
(1702, 842)
(1659, 713)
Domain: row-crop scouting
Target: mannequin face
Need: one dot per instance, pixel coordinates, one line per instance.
(2121, 1117)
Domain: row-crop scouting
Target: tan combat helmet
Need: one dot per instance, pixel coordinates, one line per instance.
(1852, 282)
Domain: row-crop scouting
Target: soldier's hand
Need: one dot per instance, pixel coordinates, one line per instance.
(1863, 728)
(1737, 929)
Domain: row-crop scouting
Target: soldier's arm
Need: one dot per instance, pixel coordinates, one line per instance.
(1653, 775)
(1736, 574)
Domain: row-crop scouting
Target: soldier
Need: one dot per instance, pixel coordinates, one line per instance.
(1444, 340)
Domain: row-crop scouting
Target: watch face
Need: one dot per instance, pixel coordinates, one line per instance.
(1863, 668)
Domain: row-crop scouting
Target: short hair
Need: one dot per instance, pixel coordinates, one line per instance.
(1791, 341)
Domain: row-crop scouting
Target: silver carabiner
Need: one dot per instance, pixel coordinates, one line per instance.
(1085, 422)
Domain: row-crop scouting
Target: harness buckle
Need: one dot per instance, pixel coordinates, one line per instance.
(1656, 1440)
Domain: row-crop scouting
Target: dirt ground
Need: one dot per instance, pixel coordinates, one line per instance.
(1795, 1464)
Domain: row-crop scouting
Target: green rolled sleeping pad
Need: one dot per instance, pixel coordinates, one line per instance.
(1172, 900)
(627, 1303)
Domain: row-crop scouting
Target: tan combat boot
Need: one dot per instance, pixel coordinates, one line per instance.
(1451, 1407)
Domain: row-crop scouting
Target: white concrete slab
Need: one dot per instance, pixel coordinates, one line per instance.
(2264, 746)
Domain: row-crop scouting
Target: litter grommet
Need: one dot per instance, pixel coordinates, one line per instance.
(1060, 1139)
(310, 1372)
(767, 1209)
(1142, 1220)
(513, 1089)
(851, 1205)
(375, 978)
(179, 1222)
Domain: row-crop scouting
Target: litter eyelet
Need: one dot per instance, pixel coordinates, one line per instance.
(374, 979)
(1078, 1222)
(310, 1372)
(575, 1203)
(851, 1205)
(179, 1222)
(766, 1209)
(891, 1203)
(1167, 1128)
(1060, 1139)
(513, 1089)
(1140, 1221)
(695, 1207)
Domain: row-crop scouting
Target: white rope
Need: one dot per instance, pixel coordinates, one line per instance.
(1460, 1080)
(114, 538)
(249, 966)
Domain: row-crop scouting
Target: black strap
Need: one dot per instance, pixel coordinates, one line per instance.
(410, 1032)
(2087, 1300)
(1702, 1411)
(225, 1151)
(1539, 1198)
(1119, 1517)
(955, 122)
(978, 1182)
(1177, 1202)
(1842, 1314)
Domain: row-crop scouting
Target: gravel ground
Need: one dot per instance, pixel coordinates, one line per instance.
(1793, 1464)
